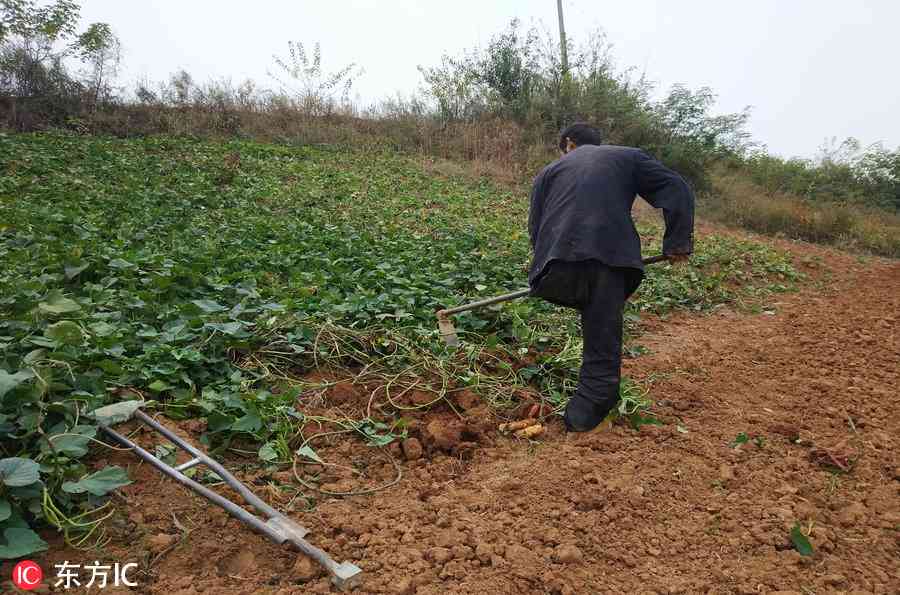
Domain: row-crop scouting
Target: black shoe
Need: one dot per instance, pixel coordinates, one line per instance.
(584, 416)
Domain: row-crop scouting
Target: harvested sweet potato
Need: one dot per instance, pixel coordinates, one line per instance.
(517, 425)
(539, 410)
(530, 432)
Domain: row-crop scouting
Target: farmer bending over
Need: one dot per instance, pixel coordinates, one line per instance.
(587, 253)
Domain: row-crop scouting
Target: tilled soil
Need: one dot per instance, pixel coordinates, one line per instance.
(774, 420)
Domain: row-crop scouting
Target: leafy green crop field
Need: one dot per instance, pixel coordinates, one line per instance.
(210, 277)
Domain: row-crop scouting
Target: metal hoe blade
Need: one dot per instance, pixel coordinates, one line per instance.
(273, 524)
(448, 331)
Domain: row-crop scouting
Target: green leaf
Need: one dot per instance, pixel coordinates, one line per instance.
(5, 510)
(228, 328)
(381, 440)
(801, 542)
(29, 492)
(102, 329)
(116, 413)
(20, 542)
(267, 452)
(34, 356)
(11, 381)
(75, 443)
(158, 386)
(73, 271)
(217, 421)
(65, 332)
(251, 422)
(209, 306)
(18, 472)
(110, 367)
(57, 304)
(309, 453)
(166, 453)
(41, 341)
(100, 483)
(741, 438)
(118, 263)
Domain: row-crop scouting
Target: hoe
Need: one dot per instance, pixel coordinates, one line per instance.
(445, 324)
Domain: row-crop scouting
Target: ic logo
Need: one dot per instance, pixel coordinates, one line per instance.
(27, 575)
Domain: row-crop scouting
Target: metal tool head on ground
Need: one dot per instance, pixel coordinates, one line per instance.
(277, 527)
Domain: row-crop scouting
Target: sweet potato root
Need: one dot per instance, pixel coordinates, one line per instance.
(517, 425)
(530, 432)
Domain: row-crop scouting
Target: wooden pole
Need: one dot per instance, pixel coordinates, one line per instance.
(562, 38)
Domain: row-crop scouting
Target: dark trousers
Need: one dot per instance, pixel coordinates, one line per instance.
(599, 293)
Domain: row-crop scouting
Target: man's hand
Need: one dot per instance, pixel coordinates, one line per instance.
(677, 258)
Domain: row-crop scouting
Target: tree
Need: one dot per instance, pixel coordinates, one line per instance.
(30, 59)
(453, 87)
(35, 41)
(100, 49)
(509, 70)
(685, 115)
(879, 170)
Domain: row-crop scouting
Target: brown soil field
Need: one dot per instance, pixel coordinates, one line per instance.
(677, 508)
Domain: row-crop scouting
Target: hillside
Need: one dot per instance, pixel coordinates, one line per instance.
(272, 301)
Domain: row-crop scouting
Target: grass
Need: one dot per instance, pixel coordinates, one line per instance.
(736, 200)
(209, 277)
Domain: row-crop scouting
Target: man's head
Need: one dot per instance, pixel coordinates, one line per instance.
(578, 134)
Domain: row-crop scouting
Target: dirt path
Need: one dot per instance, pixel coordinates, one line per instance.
(668, 509)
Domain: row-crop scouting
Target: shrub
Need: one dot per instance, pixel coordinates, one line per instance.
(737, 200)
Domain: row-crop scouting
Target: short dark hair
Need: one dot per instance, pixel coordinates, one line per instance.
(580, 133)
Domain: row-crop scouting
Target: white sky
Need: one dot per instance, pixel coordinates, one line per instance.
(811, 69)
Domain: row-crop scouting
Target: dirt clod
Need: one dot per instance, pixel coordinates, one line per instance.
(341, 393)
(726, 473)
(443, 434)
(241, 563)
(466, 400)
(440, 555)
(463, 552)
(161, 542)
(568, 554)
(449, 538)
(523, 561)
(789, 431)
(852, 514)
(833, 580)
(403, 586)
(453, 570)
(305, 569)
(412, 449)
(484, 551)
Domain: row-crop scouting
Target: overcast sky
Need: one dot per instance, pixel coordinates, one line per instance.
(811, 69)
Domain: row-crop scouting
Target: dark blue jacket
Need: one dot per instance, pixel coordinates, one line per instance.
(581, 208)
